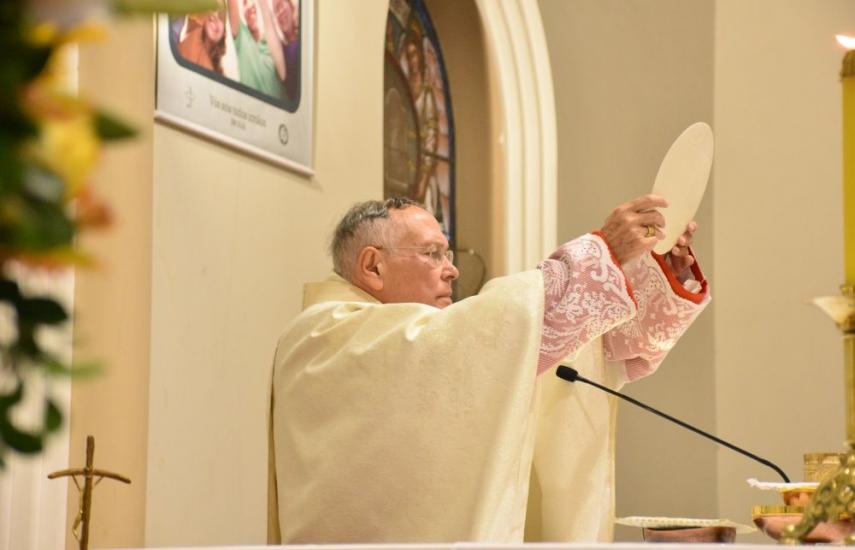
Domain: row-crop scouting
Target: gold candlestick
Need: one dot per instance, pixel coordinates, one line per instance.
(835, 495)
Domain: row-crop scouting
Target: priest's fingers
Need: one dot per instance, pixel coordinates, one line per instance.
(681, 258)
(689, 235)
(629, 240)
(682, 251)
(626, 215)
(647, 202)
(683, 243)
(681, 263)
(633, 228)
(650, 217)
(681, 247)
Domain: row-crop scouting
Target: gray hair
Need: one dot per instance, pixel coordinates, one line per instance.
(359, 228)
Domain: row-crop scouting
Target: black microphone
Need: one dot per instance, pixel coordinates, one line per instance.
(572, 375)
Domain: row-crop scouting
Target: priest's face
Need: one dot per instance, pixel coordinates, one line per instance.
(413, 266)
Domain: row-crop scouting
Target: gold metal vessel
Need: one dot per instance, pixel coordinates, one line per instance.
(776, 520)
(819, 466)
(834, 496)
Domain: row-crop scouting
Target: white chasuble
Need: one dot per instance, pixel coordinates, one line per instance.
(408, 423)
(404, 422)
(572, 493)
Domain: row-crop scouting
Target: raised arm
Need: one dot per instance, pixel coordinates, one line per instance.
(585, 294)
(586, 291)
(273, 42)
(671, 292)
(234, 16)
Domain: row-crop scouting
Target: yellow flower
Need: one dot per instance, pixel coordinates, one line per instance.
(67, 142)
(49, 34)
(43, 34)
(68, 147)
(88, 31)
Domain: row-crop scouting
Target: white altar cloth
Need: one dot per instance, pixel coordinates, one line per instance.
(483, 546)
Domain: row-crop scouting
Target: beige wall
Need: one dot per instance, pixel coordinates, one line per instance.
(112, 302)
(233, 241)
(777, 235)
(629, 76)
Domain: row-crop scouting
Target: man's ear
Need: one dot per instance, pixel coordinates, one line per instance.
(370, 268)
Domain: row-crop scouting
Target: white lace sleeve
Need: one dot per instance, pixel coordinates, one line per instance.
(586, 295)
(665, 310)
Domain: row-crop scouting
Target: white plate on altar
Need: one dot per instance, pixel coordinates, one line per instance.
(682, 180)
(780, 486)
(649, 522)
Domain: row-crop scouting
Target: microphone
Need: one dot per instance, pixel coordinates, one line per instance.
(572, 375)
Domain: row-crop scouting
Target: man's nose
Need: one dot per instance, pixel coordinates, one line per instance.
(450, 271)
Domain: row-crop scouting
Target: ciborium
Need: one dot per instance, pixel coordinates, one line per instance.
(834, 499)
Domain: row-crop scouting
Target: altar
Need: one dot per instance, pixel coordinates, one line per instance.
(467, 546)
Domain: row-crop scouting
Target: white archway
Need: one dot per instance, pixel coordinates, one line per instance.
(517, 47)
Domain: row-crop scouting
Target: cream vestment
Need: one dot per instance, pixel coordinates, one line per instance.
(408, 423)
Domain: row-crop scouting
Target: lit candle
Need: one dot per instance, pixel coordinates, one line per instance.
(847, 77)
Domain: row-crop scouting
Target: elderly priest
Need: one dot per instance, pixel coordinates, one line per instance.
(399, 416)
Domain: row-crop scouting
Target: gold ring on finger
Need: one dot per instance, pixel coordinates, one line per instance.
(651, 231)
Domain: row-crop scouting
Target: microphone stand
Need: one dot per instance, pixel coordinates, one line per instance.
(572, 375)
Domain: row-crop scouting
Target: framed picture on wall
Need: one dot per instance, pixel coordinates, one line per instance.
(242, 76)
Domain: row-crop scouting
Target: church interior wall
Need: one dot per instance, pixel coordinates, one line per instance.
(112, 301)
(629, 77)
(778, 236)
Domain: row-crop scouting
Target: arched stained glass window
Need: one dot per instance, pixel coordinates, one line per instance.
(418, 136)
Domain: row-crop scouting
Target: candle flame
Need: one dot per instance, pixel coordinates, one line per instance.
(847, 42)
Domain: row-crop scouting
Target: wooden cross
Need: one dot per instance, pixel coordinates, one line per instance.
(89, 474)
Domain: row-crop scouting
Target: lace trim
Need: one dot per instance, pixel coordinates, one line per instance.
(664, 314)
(676, 286)
(586, 295)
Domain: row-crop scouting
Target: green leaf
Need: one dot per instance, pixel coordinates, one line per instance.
(40, 226)
(10, 399)
(78, 371)
(44, 311)
(33, 60)
(53, 416)
(26, 346)
(21, 441)
(110, 128)
(9, 291)
(165, 6)
(11, 163)
(22, 62)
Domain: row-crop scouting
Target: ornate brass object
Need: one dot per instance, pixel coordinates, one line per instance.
(819, 466)
(835, 496)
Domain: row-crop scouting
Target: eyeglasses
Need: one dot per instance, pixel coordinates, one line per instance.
(434, 255)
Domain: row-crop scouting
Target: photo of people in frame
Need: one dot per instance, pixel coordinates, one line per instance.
(251, 45)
